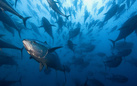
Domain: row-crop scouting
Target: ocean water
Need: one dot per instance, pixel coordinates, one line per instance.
(96, 40)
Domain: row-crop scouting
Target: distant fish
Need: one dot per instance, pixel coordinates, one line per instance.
(4, 82)
(112, 30)
(10, 29)
(121, 45)
(125, 53)
(86, 14)
(113, 61)
(100, 10)
(71, 45)
(127, 28)
(101, 54)
(4, 44)
(118, 78)
(5, 7)
(47, 26)
(95, 82)
(111, 12)
(7, 60)
(44, 55)
(88, 47)
(132, 61)
(7, 20)
(35, 28)
(54, 6)
(74, 32)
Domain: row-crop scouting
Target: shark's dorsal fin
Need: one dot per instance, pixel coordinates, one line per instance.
(53, 49)
(40, 67)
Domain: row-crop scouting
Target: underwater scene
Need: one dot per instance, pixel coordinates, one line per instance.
(68, 42)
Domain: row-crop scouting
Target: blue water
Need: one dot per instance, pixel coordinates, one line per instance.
(90, 24)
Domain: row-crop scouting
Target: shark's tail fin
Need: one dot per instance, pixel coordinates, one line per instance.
(113, 42)
(53, 49)
(67, 16)
(25, 19)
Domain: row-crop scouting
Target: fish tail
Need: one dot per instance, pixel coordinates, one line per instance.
(113, 42)
(16, 3)
(19, 31)
(20, 81)
(67, 16)
(53, 25)
(25, 19)
(105, 65)
(65, 76)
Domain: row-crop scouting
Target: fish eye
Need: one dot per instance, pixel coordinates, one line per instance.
(34, 42)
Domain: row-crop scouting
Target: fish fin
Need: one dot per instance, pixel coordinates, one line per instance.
(22, 52)
(1, 35)
(45, 42)
(113, 42)
(75, 44)
(1, 9)
(112, 53)
(46, 65)
(20, 81)
(41, 67)
(30, 57)
(16, 3)
(53, 49)
(105, 65)
(65, 75)
(19, 31)
(41, 26)
(52, 25)
(67, 16)
(56, 2)
(25, 19)
(105, 13)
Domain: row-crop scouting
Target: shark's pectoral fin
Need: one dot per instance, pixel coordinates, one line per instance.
(41, 67)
